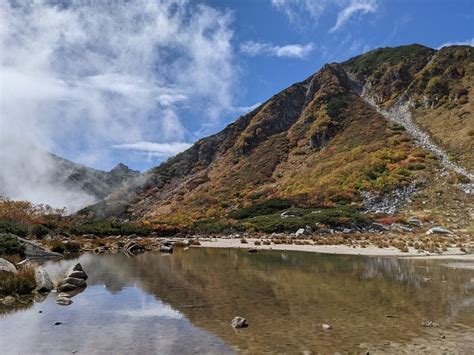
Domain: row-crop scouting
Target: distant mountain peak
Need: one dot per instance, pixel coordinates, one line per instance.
(122, 168)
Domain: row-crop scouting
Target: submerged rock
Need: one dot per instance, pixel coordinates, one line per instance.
(326, 327)
(133, 248)
(7, 266)
(43, 281)
(239, 322)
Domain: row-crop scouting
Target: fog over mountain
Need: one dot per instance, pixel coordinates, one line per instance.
(101, 84)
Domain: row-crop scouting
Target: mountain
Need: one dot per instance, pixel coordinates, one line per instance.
(382, 131)
(96, 183)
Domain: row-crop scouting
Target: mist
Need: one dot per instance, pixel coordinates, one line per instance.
(93, 82)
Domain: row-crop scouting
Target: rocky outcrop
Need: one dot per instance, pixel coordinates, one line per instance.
(7, 266)
(43, 281)
(35, 251)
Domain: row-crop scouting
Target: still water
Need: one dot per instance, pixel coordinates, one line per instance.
(183, 303)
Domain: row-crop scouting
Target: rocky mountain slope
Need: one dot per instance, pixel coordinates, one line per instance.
(369, 132)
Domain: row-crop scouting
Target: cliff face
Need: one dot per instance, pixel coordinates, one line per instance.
(320, 142)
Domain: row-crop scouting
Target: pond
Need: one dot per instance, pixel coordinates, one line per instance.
(183, 303)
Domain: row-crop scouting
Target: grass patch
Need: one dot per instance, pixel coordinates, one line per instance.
(20, 283)
(107, 228)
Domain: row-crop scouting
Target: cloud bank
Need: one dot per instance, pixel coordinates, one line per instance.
(81, 78)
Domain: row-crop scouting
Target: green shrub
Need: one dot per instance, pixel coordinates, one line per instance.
(10, 245)
(39, 231)
(332, 217)
(212, 226)
(267, 207)
(335, 105)
(19, 229)
(107, 228)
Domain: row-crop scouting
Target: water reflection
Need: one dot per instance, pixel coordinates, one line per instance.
(184, 302)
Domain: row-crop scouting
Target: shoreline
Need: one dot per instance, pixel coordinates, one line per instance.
(372, 250)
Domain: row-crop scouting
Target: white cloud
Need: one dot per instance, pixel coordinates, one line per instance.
(246, 109)
(303, 12)
(352, 8)
(287, 51)
(158, 149)
(468, 42)
(297, 10)
(80, 77)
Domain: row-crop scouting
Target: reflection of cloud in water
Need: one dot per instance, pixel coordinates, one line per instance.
(157, 310)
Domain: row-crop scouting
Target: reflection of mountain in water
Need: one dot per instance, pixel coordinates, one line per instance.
(285, 296)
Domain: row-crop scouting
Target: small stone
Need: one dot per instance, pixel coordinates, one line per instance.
(429, 324)
(326, 327)
(63, 301)
(239, 322)
(253, 250)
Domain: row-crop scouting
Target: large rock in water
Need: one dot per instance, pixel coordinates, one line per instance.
(74, 280)
(43, 281)
(7, 266)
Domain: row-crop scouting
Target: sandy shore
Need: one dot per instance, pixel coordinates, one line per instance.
(450, 254)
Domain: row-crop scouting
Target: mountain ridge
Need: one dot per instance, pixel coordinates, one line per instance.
(316, 143)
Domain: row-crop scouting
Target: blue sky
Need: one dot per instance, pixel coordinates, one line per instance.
(140, 81)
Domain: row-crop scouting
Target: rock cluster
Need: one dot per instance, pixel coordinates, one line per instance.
(74, 281)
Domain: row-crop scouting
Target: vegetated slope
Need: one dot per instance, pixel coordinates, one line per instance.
(96, 183)
(318, 143)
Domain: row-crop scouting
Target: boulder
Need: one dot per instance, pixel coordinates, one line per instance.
(133, 248)
(300, 232)
(43, 281)
(252, 250)
(63, 301)
(239, 322)
(7, 266)
(76, 282)
(414, 221)
(166, 249)
(67, 288)
(78, 275)
(397, 227)
(439, 230)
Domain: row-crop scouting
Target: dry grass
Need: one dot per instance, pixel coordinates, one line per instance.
(20, 283)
